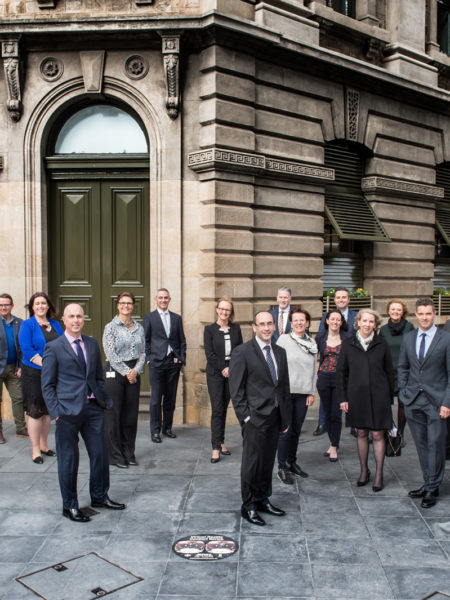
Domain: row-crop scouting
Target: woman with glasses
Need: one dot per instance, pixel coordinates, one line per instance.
(220, 339)
(124, 346)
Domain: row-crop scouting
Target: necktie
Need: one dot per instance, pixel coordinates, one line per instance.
(422, 348)
(80, 356)
(166, 322)
(270, 364)
(280, 323)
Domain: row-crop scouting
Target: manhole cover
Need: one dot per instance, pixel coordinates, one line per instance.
(205, 547)
(84, 577)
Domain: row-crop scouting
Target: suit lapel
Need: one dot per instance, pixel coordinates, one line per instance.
(260, 354)
(69, 351)
(433, 345)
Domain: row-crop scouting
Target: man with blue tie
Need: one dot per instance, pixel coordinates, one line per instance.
(165, 353)
(72, 386)
(424, 389)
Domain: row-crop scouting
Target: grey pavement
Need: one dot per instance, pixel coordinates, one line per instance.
(336, 542)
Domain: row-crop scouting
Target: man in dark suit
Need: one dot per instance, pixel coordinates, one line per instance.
(165, 353)
(10, 357)
(259, 388)
(72, 385)
(424, 389)
(280, 314)
(342, 301)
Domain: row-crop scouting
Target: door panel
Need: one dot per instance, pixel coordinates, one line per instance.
(99, 246)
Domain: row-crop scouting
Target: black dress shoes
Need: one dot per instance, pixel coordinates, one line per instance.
(419, 493)
(297, 470)
(225, 452)
(48, 452)
(252, 516)
(429, 499)
(121, 465)
(156, 438)
(169, 433)
(75, 515)
(269, 508)
(108, 503)
(38, 460)
(133, 462)
(319, 430)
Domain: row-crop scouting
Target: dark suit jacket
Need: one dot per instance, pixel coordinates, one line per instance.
(4, 343)
(157, 342)
(350, 322)
(213, 341)
(251, 387)
(64, 385)
(433, 377)
(275, 313)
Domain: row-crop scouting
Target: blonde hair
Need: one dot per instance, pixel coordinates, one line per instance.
(226, 299)
(371, 312)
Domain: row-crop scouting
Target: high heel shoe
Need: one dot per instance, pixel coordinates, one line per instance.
(365, 482)
(377, 488)
(215, 460)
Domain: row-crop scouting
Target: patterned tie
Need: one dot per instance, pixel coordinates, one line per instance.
(422, 348)
(80, 355)
(280, 322)
(273, 371)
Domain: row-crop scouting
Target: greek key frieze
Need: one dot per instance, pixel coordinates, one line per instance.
(384, 184)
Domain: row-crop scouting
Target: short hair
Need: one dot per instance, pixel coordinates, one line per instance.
(259, 312)
(342, 289)
(298, 309)
(7, 297)
(52, 310)
(371, 312)
(162, 290)
(284, 289)
(226, 299)
(344, 326)
(126, 295)
(397, 301)
(425, 301)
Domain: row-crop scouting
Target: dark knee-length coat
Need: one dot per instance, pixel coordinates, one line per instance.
(365, 379)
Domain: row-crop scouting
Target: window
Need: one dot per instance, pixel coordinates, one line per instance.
(101, 129)
(443, 29)
(345, 7)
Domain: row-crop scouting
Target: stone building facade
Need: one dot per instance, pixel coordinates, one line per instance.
(254, 115)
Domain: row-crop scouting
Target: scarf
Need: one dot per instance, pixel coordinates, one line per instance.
(397, 328)
(307, 344)
(365, 343)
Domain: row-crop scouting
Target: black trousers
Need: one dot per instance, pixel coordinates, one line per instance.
(288, 442)
(326, 386)
(259, 446)
(219, 395)
(90, 424)
(163, 383)
(122, 418)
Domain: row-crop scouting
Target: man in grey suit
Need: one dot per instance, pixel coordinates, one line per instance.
(424, 389)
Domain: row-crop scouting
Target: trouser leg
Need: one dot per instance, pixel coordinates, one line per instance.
(14, 388)
(92, 432)
(129, 418)
(115, 388)
(170, 395)
(67, 451)
(157, 385)
(218, 392)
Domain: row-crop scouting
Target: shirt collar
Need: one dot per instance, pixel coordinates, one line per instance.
(72, 339)
(261, 344)
(429, 333)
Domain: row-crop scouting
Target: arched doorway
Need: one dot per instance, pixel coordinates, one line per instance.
(98, 212)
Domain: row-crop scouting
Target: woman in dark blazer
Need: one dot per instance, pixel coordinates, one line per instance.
(220, 339)
(365, 388)
(393, 332)
(34, 334)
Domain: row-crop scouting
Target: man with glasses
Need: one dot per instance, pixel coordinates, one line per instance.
(10, 357)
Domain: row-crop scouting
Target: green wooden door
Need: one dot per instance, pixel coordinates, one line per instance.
(98, 243)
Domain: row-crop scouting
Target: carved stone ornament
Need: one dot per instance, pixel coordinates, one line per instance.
(136, 67)
(352, 115)
(51, 68)
(12, 67)
(399, 187)
(171, 52)
(256, 164)
(46, 3)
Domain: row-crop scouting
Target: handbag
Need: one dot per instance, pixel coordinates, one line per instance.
(393, 443)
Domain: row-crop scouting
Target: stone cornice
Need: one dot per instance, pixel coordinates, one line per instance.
(399, 187)
(230, 160)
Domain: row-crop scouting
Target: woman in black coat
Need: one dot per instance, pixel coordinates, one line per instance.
(365, 388)
(220, 339)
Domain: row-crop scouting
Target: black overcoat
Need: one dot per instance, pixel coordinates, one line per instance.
(365, 379)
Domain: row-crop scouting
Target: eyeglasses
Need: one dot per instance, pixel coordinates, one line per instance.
(125, 303)
(5, 305)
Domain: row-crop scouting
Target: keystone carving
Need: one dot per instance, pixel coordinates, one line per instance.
(171, 54)
(12, 68)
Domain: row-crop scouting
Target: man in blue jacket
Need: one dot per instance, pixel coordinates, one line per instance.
(10, 357)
